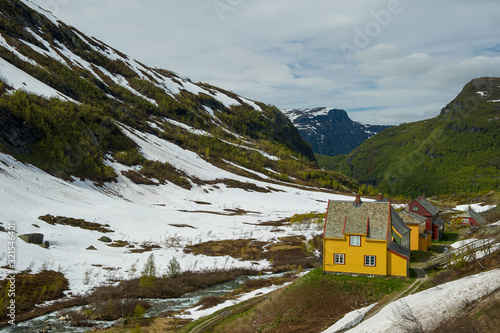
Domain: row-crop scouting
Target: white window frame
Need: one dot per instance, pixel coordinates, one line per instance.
(371, 261)
(355, 240)
(414, 208)
(339, 258)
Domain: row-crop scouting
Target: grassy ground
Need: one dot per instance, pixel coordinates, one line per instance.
(311, 304)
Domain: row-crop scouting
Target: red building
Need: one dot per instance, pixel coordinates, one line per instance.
(433, 223)
(471, 217)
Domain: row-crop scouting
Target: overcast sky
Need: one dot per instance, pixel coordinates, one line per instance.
(383, 61)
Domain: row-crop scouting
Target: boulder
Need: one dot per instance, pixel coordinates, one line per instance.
(91, 247)
(119, 323)
(34, 238)
(105, 239)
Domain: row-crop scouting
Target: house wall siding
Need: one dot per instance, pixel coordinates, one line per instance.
(396, 266)
(421, 210)
(414, 241)
(422, 244)
(355, 256)
(429, 218)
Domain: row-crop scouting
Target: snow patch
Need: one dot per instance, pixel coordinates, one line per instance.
(20, 80)
(478, 207)
(350, 319)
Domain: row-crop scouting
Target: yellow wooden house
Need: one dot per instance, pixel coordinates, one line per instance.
(359, 238)
(420, 237)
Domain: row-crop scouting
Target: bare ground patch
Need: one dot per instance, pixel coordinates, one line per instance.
(227, 212)
(288, 253)
(72, 222)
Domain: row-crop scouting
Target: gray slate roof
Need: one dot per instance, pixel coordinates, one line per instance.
(398, 223)
(479, 219)
(399, 249)
(428, 206)
(438, 222)
(471, 213)
(411, 218)
(354, 219)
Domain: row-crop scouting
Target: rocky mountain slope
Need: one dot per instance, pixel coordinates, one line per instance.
(66, 98)
(457, 151)
(330, 131)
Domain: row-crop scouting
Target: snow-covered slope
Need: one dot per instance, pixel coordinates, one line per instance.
(139, 214)
(106, 105)
(57, 50)
(20, 80)
(434, 305)
(44, 56)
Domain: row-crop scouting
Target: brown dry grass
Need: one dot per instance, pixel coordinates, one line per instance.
(210, 301)
(79, 223)
(287, 254)
(104, 300)
(30, 290)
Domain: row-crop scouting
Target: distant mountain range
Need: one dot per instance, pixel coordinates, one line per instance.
(331, 131)
(457, 151)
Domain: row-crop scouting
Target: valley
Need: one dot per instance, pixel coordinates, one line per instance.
(136, 200)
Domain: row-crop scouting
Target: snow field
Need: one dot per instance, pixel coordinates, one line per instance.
(140, 214)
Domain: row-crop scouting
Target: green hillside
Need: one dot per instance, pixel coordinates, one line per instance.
(457, 151)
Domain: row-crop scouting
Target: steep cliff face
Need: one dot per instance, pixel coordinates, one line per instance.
(331, 131)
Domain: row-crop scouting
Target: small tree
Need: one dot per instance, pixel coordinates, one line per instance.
(148, 275)
(173, 268)
(139, 311)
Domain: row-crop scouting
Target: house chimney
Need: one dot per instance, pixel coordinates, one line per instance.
(423, 196)
(358, 200)
(380, 197)
(470, 208)
(419, 197)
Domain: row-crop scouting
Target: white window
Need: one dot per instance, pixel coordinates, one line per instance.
(414, 208)
(355, 240)
(339, 258)
(369, 260)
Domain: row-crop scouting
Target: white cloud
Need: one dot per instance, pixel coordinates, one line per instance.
(287, 52)
(378, 52)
